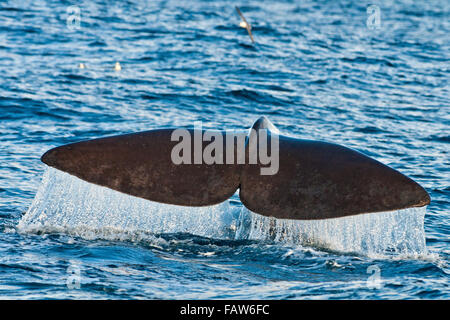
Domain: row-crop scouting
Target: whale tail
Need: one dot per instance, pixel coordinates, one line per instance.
(312, 180)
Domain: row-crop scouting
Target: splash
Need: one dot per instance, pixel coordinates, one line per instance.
(67, 204)
(380, 234)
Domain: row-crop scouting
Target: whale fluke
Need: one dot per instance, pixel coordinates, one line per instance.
(313, 179)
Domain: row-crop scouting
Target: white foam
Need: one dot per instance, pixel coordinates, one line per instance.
(67, 204)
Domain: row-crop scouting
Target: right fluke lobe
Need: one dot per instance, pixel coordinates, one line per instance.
(319, 180)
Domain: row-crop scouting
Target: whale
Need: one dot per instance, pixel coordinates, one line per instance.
(313, 179)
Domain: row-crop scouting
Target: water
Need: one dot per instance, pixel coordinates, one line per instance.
(318, 70)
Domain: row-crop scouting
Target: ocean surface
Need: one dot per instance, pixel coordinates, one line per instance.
(373, 76)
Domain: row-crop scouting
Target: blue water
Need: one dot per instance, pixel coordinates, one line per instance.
(319, 70)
